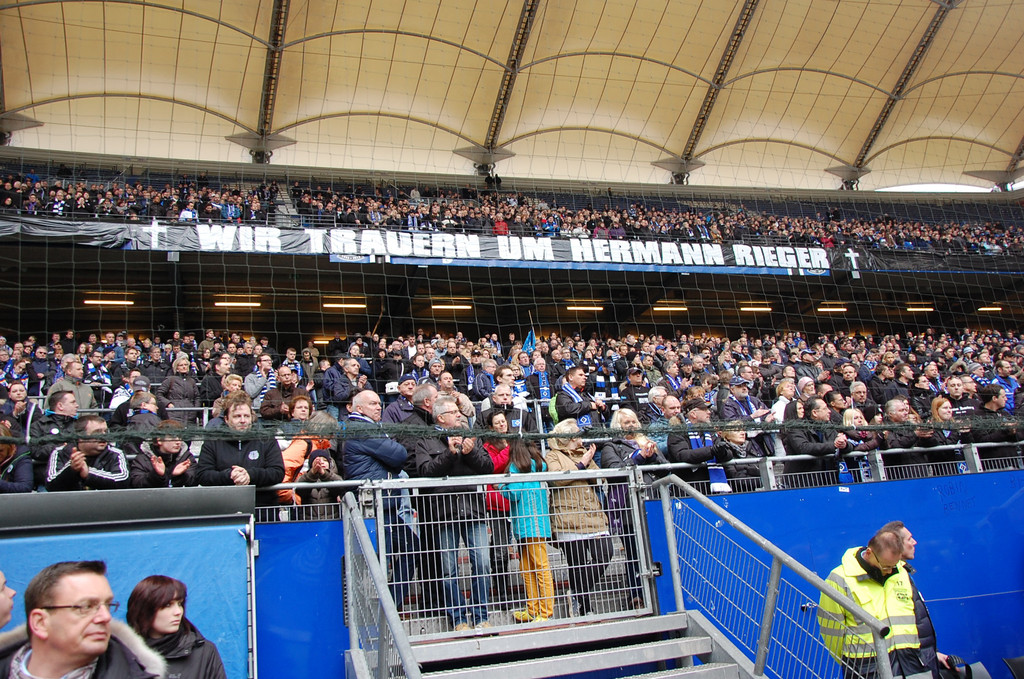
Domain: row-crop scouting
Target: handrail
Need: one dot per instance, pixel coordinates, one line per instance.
(354, 519)
(779, 558)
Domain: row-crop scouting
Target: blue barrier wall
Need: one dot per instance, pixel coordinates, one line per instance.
(300, 607)
(211, 560)
(970, 552)
(970, 562)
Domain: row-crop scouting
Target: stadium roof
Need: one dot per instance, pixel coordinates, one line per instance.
(761, 93)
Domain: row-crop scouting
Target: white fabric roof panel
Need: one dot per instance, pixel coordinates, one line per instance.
(602, 89)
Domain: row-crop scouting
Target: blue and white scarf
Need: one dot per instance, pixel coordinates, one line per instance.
(583, 421)
(716, 473)
(544, 386)
(519, 389)
(296, 368)
(271, 384)
(606, 386)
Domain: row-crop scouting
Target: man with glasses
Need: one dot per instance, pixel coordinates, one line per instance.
(70, 631)
(456, 512)
(873, 577)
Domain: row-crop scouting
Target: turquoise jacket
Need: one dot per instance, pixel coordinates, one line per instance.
(531, 517)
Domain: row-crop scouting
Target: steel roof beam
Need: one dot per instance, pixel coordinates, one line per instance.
(718, 82)
(508, 78)
(271, 73)
(904, 80)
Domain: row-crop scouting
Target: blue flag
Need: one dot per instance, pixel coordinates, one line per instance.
(530, 343)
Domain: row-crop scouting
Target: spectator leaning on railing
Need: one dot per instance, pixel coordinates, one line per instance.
(927, 362)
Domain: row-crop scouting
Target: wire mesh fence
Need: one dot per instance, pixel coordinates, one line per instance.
(773, 620)
(462, 559)
(372, 619)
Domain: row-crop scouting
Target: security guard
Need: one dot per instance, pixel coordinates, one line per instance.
(872, 577)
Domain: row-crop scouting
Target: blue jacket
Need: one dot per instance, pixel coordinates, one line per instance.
(368, 453)
(337, 386)
(530, 512)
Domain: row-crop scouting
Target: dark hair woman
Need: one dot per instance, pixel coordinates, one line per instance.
(15, 465)
(156, 610)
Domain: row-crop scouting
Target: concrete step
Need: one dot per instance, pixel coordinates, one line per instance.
(588, 661)
(550, 636)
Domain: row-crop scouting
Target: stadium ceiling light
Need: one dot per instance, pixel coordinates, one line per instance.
(341, 305)
(108, 302)
(584, 308)
(242, 304)
(920, 308)
(831, 309)
(670, 308)
(452, 307)
(990, 308)
(755, 308)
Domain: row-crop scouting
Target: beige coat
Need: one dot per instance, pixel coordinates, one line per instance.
(575, 506)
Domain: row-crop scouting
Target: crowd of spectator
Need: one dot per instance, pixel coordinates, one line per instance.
(155, 395)
(189, 200)
(197, 199)
(517, 214)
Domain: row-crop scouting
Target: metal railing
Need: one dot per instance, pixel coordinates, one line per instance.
(769, 617)
(373, 622)
(456, 567)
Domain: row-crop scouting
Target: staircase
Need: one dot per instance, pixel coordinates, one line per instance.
(647, 647)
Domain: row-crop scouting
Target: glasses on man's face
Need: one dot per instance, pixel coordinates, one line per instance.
(87, 609)
(450, 412)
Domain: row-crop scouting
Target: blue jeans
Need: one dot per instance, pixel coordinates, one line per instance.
(474, 534)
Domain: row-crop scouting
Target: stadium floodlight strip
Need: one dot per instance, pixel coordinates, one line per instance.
(831, 309)
(242, 304)
(755, 308)
(451, 307)
(670, 308)
(990, 308)
(344, 306)
(109, 302)
(584, 308)
(920, 308)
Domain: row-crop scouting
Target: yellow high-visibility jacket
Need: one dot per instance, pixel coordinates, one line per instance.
(892, 603)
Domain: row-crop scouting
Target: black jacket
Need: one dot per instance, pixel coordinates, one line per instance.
(819, 442)
(519, 420)
(142, 475)
(189, 654)
(902, 438)
(925, 628)
(155, 372)
(210, 389)
(48, 432)
(617, 453)
(681, 449)
(107, 471)
(993, 427)
(435, 460)
(419, 420)
(16, 473)
(260, 457)
(565, 407)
